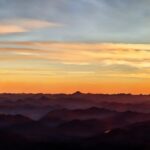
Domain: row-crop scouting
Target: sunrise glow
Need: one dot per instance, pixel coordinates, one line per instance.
(66, 46)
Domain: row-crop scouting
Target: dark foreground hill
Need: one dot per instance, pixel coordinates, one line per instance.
(115, 130)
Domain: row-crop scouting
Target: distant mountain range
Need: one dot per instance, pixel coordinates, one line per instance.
(76, 121)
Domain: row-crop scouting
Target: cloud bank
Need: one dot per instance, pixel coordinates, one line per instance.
(123, 58)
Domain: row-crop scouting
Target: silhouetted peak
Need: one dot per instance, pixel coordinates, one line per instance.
(77, 93)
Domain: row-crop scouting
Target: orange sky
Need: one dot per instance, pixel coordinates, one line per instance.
(22, 87)
(59, 67)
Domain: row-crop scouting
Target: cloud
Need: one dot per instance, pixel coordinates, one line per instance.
(7, 29)
(115, 57)
(24, 25)
(83, 53)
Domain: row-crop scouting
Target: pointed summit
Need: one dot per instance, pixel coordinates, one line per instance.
(77, 93)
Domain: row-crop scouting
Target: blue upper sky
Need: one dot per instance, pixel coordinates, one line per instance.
(125, 21)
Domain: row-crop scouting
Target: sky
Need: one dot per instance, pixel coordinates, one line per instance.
(62, 46)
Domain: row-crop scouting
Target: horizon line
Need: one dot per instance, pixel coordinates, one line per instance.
(76, 92)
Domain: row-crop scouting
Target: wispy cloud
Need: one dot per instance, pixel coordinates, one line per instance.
(7, 29)
(82, 53)
(24, 25)
(132, 55)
